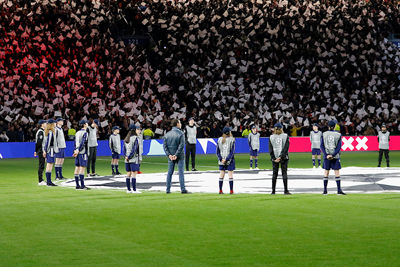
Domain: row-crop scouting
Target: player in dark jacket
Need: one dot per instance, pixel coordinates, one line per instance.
(279, 152)
(39, 150)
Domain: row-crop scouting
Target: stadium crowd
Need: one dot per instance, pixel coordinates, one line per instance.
(222, 62)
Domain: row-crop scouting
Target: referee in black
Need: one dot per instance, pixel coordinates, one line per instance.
(39, 150)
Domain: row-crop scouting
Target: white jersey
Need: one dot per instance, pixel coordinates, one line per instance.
(81, 141)
(315, 138)
(383, 138)
(60, 139)
(254, 141)
(92, 138)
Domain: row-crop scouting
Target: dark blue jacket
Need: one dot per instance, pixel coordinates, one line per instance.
(174, 142)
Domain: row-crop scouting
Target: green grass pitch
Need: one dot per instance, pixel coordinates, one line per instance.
(41, 226)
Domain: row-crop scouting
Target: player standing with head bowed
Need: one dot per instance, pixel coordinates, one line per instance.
(279, 152)
(226, 157)
(383, 139)
(315, 138)
(61, 148)
(39, 150)
(254, 145)
(331, 143)
(50, 148)
(114, 143)
(81, 155)
(133, 156)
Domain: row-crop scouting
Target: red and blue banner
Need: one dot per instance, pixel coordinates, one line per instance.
(154, 147)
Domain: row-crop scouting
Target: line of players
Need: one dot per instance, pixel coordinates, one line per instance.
(50, 142)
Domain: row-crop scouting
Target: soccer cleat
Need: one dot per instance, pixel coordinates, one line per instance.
(194, 169)
(287, 193)
(325, 192)
(77, 187)
(185, 192)
(118, 173)
(113, 173)
(220, 192)
(341, 192)
(319, 167)
(85, 188)
(314, 167)
(139, 172)
(168, 192)
(256, 168)
(136, 192)
(231, 192)
(251, 168)
(128, 191)
(58, 179)
(42, 183)
(379, 165)
(51, 184)
(273, 193)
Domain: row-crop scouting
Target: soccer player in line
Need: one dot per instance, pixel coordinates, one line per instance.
(81, 155)
(279, 152)
(191, 140)
(254, 145)
(133, 157)
(92, 143)
(331, 143)
(60, 139)
(39, 150)
(226, 157)
(383, 139)
(315, 138)
(49, 149)
(114, 143)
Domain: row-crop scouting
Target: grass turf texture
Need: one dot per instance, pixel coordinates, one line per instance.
(60, 226)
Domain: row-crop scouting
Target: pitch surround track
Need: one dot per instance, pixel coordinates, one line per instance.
(354, 180)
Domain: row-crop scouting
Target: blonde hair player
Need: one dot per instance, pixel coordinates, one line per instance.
(49, 149)
(133, 156)
(226, 157)
(60, 139)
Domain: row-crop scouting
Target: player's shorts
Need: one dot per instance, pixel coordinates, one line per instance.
(115, 156)
(132, 167)
(81, 160)
(253, 153)
(316, 151)
(60, 154)
(50, 156)
(332, 164)
(229, 167)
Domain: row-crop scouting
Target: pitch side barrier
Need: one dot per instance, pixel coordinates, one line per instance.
(154, 147)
